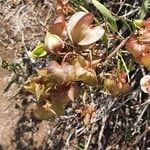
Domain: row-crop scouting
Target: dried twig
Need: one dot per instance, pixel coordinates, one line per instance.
(102, 130)
(88, 142)
(139, 118)
(69, 137)
(117, 48)
(139, 138)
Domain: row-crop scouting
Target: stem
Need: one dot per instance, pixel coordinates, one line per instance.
(117, 48)
(102, 130)
(65, 57)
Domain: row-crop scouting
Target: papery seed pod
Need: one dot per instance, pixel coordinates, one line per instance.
(84, 71)
(145, 60)
(134, 47)
(58, 27)
(145, 84)
(139, 47)
(80, 30)
(56, 73)
(147, 23)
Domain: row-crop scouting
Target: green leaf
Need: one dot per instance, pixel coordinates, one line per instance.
(144, 9)
(123, 65)
(131, 65)
(38, 51)
(106, 13)
(105, 40)
(127, 24)
(83, 8)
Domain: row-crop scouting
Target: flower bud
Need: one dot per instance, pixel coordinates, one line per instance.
(138, 23)
(108, 84)
(53, 43)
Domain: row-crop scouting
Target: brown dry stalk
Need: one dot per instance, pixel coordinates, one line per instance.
(117, 48)
(141, 136)
(102, 130)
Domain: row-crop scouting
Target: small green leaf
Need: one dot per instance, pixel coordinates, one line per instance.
(106, 13)
(38, 51)
(105, 40)
(83, 9)
(144, 9)
(127, 24)
(123, 65)
(131, 65)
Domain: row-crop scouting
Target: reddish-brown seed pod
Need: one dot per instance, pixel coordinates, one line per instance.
(147, 23)
(135, 47)
(139, 47)
(145, 60)
(56, 73)
(59, 27)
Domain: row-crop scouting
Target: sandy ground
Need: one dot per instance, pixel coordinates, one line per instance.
(8, 114)
(21, 26)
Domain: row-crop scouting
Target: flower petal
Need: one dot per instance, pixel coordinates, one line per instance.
(63, 7)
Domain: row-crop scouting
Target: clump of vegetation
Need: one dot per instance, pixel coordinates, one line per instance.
(99, 63)
(73, 42)
(139, 43)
